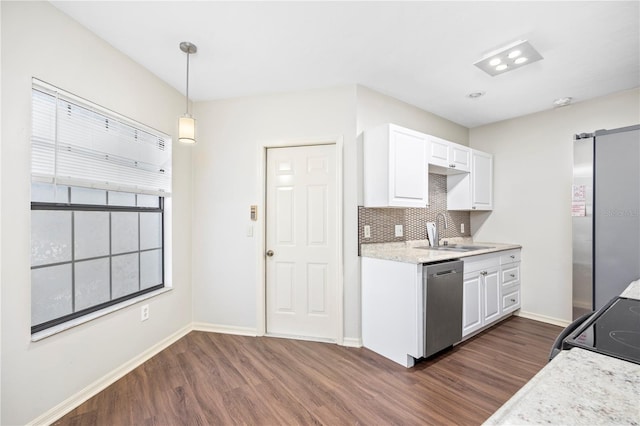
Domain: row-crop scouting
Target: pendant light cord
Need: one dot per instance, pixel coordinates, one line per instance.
(187, 108)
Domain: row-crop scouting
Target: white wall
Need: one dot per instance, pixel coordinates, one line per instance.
(532, 187)
(39, 41)
(226, 165)
(375, 109)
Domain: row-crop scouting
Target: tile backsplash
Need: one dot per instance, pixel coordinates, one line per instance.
(413, 220)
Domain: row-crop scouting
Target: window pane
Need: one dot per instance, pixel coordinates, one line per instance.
(50, 237)
(88, 196)
(150, 230)
(148, 200)
(91, 234)
(92, 283)
(124, 271)
(49, 193)
(124, 232)
(150, 268)
(50, 293)
(122, 199)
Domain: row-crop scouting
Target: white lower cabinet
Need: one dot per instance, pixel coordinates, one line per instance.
(510, 280)
(392, 309)
(491, 289)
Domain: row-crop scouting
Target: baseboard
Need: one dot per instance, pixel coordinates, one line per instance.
(352, 342)
(99, 385)
(224, 329)
(543, 318)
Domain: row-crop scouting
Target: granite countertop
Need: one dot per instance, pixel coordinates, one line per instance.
(408, 252)
(578, 387)
(632, 292)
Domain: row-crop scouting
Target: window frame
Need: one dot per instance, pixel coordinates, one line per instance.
(57, 206)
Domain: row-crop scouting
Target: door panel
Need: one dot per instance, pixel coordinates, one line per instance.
(301, 228)
(491, 295)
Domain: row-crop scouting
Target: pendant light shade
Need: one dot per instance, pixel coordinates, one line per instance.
(186, 123)
(187, 129)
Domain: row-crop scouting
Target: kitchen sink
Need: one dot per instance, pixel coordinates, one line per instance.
(453, 247)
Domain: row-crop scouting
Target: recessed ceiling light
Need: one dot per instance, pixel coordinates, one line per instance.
(475, 95)
(509, 57)
(560, 102)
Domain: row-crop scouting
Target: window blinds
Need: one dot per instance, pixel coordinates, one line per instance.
(77, 143)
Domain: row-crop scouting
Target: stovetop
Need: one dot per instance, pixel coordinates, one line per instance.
(613, 331)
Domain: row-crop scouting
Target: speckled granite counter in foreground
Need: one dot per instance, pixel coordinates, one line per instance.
(408, 252)
(578, 387)
(632, 292)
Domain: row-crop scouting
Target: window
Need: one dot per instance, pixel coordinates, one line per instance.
(99, 183)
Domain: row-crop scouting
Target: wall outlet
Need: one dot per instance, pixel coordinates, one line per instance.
(144, 313)
(367, 231)
(399, 231)
(462, 228)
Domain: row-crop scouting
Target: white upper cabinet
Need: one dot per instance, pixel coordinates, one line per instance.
(448, 157)
(395, 166)
(472, 191)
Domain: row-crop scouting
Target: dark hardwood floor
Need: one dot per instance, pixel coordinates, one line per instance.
(208, 378)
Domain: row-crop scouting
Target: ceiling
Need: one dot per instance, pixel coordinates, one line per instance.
(418, 52)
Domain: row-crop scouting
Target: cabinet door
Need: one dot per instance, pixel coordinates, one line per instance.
(481, 181)
(459, 157)
(471, 303)
(438, 152)
(491, 298)
(408, 169)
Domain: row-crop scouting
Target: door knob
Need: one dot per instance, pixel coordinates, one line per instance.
(269, 253)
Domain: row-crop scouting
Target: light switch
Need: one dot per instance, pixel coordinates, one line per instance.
(367, 231)
(250, 231)
(254, 212)
(462, 228)
(399, 231)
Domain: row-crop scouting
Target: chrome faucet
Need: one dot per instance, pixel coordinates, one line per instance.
(436, 237)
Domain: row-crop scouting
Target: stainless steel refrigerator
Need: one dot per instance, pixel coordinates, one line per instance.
(606, 216)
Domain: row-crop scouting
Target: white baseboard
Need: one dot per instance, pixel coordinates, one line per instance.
(224, 329)
(99, 385)
(352, 342)
(543, 318)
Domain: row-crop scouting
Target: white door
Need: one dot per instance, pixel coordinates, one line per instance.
(301, 244)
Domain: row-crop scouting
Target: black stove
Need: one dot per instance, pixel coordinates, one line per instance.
(614, 330)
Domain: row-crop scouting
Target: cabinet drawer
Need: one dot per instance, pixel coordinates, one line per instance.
(511, 301)
(510, 256)
(510, 274)
(480, 262)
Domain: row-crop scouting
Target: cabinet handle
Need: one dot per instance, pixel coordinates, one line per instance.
(513, 300)
(483, 273)
(269, 253)
(513, 275)
(474, 207)
(512, 256)
(453, 166)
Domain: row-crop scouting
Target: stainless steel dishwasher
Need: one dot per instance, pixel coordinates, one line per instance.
(442, 305)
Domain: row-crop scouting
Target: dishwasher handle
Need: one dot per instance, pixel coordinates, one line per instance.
(443, 273)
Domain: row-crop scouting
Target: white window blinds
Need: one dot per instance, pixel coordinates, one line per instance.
(77, 143)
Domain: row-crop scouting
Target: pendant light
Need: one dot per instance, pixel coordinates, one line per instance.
(186, 123)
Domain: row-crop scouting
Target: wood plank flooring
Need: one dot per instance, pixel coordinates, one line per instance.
(209, 378)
